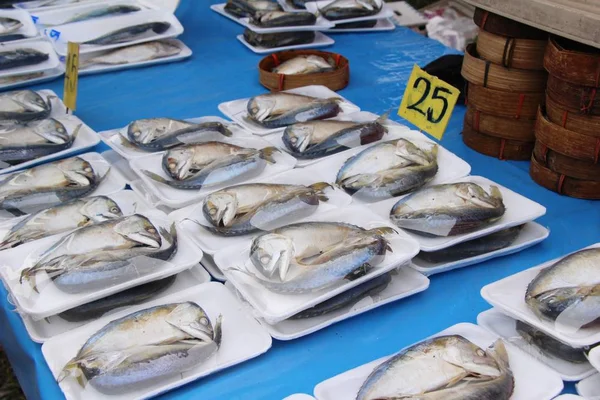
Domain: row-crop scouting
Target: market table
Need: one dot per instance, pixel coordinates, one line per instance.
(222, 69)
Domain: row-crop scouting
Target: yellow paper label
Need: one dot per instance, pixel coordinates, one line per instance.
(71, 76)
(428, 102)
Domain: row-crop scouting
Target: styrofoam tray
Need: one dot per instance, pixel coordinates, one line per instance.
(212, 243)
(299, 396)
(274, 307)
(531, 234)
(28, 28)
(508, 296)
(568, 397)
(405, 282)
(321, 40)
(533, 380)
(382, 25)
(243, 339)
(594, 357)
(43, 330)
(209, 264)
(52, 301)
(504, 326)
(39, 4)
(40, 45)
(111, 183)
(114, 137)
(589, 387)
(55, 16)
(87, 30)
(318, 6)
(18, 81)
(236, 110)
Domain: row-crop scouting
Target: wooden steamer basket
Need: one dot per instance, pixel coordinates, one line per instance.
(494, 146)
(510, 52)
(499, 25)
(505, 104)
(573, 62)
(518, 129)
(334, 80)
(573, 98)
(563, 184)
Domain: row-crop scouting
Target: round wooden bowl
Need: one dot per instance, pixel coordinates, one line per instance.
(510, 52)
(572, 120)
(565, 165)
(487, 74)
(573, 62)
(501, 127)
(506, 104)
(496, 147)
(575, 98)
(334, 80)
(563, 184)
(500, 25)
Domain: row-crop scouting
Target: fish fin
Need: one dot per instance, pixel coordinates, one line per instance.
(15, 212)
(72, 369)
(359, 272)
(495, 192)
(76, 132)
(320, 186)
(434, 154)
(308, 199)
(218, 331)
(336, 99)
(126, 143)
(156, 177)
(383, 118)
(267, 154)
(170, 235)
(383, 230)
(498, 352)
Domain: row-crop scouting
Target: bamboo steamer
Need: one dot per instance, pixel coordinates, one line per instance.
(501, 127)
(571, 120)
(563, 184)
(565, 165)
(334, 80)
(507, 104)
(573, 62)
(510, 52)
(574, 98)
(496, 147)
(484, 73)
(500, 25)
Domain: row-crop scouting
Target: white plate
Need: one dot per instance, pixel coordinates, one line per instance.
(317, 6)
(212, 243)
(236, 110)
(52, 301)
(274, 307)
(43, 330)
(405, 282)
(37, 5)
(321, 40)
(299, 396)
(40, 45)
(533, 380)
(209, 264)
(382, 25)
(594, 357)
(55, 16)
(504, 326)
(27, 30)
(92, 29)
(243, 339)
(531, 234)
(176, 198)
(113, 137)
(508, 295)
(15, 81)
(589, 387)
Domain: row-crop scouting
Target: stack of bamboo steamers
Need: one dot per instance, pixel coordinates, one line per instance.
(567, 150)
(506, 85)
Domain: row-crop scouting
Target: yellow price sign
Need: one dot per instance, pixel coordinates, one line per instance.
(71, 76)
(428, 102)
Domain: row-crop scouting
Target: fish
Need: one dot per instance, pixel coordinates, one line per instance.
(193, 167)
(145, 346)
(29, 4)
(247, 8)
(21, 106)
(550, 346)
(449, 209)
(158, 134)
(252, 207)
(315, 139)
(129, 297)
(37, 139)
(278, 39)
(134, 54)
(272, 19)
(473, 248)
(47, 185)
(568, 291)
(300, 4)
(61, 218)
(388, 169)
(99, 255)
(345, 9)
(357, 25)
(21, 58)
(9, 80)
(278, 110)
(310, 256)
(9, 25)
(129, 33)
(443, 368)
(350, 296)
(305, 64)
(110, 11)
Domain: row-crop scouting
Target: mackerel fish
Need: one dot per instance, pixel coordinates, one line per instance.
(345, 9)
(304, 64)
(9, 26)
(22, 106)
(130, 33)
(247, 8)
(101, 12)
(278, 39)
(136, 53)
(550, 346)
(274, 19)
(21, 57)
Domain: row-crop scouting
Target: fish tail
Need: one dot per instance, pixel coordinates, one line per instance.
(226, 131)
(500, 355)
(383, 230)
(218, 331)
(76, 132)
(9, 242)
(495, 192)
(336, 99)
(26, 274)
(267, 154)
(126, 143)
(72, 369)
(383, 118)
(434, 154)
(319, 187)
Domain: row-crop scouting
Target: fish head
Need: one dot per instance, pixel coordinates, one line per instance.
(299, 136)
(53, 131)
(30, 101)
(271, 253)
(410, 152)
(260, 107)
(77, 171)
(140, 230)
(102, 209)
(221, 208)
(178, 162)
(144, 131)
(193, 320)
(475, 194)
(472, 358)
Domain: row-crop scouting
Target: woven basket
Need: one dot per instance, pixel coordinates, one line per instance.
(501, 127)
(496, 147)
(564, 165)
(571, 120)
(563, 184)
(507, 104)
(499, 25)
(334, 80)
(574, 98)
(510, 52)
(487, 74)
(573, 62)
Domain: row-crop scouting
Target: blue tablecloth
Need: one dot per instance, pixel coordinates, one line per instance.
(223, 69)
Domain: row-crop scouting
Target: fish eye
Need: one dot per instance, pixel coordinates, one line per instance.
(265, 259)
(87, 169)
(480, 353)
(212, 211)
(172, 165)
(114, 210)
(61, 130)
(204, 321)
(152, 230)
(137, 133)
(294, 140)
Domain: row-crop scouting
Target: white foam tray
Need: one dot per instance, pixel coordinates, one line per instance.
(45, 76)
(321, 40)
(43, 330)
(533, 380)
(55, 16)
(39, 5)
(382, 25)
(589, 387)
(568, 397)
(508, 296)
(209, 264)
(236, 110)
(243, 339)
(594, 358)
(275, 307)
(531, 234)
(504, 326)
(40, 45)
(405, 282)
(317, 6)
(28, 29)
(212, 243)
(299, 396)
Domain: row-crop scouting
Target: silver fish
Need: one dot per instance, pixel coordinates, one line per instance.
(272, 19)
(47, 185)
(144, 346)
(569, 290)
(310, 256)
(23, 106)
(278, 39)
(101, 12)
(130, 33)
(48, 3)
(157, 134)
(134, 54)
(62, 218)
(303, 64)
(345, 9)
(247, 208)
(9, 80)
(388, 169)
(550, 346)
(247, 8)
(276, 110)
(450, 209)
(9, 25)
(21, 57)
(443, 368)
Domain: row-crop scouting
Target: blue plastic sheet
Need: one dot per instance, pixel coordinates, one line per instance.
(223, 69)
